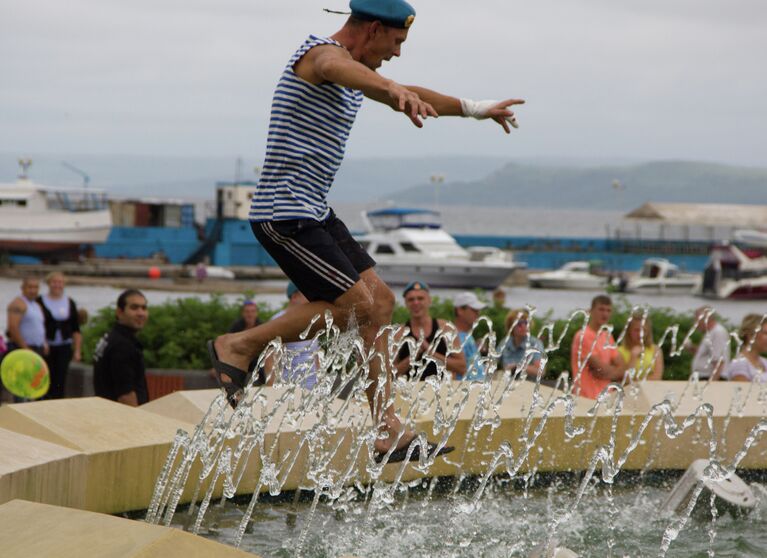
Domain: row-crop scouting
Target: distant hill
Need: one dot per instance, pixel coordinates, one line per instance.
(358, 181)
(478, 181)
(600, 187)
(132, 175)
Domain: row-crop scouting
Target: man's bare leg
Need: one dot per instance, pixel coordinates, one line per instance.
(381, 410)
(238, 349)
(371, 302)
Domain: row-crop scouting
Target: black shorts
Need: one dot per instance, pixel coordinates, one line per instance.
(320, 257)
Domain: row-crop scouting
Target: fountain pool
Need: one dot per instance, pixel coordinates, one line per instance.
(510, 521)
(509, 434)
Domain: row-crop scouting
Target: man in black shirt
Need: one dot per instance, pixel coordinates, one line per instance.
(118, 361)
(248, 319)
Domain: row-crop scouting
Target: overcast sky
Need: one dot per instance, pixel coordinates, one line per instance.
(638, 79)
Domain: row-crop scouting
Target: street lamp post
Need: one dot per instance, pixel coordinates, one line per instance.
(437, 179)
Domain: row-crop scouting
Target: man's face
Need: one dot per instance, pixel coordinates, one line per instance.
(521, 329)
(600, 314)
(499, 298)
(466, 315)
(30, 288)
(135, 314)
(418, 303)
(384, 43)
(56, 286)
(250, 313)
(703, 320)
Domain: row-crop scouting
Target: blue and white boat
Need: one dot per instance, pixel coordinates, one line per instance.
(40, 220)
(410, 244)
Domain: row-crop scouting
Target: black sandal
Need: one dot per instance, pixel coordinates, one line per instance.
(400, 454)
(238, 378)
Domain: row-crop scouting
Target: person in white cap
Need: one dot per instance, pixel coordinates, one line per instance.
(467, 307)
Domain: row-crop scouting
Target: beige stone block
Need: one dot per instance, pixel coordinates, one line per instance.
(40, 530)
(40, 471)
(187, 406)
(125, 448)
(336, 447)
(421, 406)
(737, 409)
(539, 440)
(192, 406)
(724, 397)
(278, 407)
(733, 439)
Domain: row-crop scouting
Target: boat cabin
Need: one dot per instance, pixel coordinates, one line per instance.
(410, 233)
(25, 195)
(656, 268)
(397, 218)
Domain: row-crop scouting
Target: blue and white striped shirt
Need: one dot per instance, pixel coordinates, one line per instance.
(308, 129)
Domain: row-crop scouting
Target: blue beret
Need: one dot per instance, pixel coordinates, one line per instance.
(415, 286)
(291, 290)
(394, 13)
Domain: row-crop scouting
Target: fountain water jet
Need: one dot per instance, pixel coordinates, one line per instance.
(287, 438)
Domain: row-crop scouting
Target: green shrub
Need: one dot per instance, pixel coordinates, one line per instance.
(176, 331)
(175, 334)
(676, 368)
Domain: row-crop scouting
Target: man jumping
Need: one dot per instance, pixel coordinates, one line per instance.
(313, 110)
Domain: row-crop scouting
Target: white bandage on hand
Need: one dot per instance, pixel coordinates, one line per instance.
(479, 109)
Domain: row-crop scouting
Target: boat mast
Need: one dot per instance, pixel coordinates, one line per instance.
(86, 178)
(24, 164)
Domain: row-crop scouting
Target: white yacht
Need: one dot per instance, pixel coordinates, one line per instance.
(752, 237)
(410, 244)
(660, 276)
(43, 220)
(734, 273)
(572, 275)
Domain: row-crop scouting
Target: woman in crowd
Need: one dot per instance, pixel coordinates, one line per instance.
(521, 348)
(639, 351)
(749, 365)
(62, 331)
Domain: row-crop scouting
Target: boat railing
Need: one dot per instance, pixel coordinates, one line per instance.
(487, 253)
(76, 200)
(391, 219)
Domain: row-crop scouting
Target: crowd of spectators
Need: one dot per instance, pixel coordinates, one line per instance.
(596, 358)
(49, 324)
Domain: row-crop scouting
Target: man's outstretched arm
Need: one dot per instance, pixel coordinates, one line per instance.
(332, 64)
(445, 105)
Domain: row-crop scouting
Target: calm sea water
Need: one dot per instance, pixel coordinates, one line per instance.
(560, 302)
(509, 221)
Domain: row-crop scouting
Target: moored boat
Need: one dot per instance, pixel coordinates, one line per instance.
(751, 237)
(572, 275)
(43, 220)
(410, 244)
(660, 276)
(734, 273)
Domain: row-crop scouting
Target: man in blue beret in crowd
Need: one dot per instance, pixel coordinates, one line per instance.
(313, 109)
